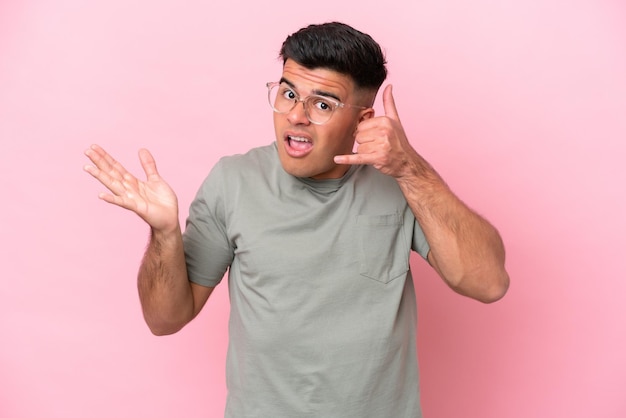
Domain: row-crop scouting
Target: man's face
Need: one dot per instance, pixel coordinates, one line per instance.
(306, 149)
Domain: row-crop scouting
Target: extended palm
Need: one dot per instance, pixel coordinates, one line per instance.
(153, 200)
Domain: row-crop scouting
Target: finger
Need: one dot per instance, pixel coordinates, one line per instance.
(122, 193)
(102, 159)
(127, 202)
(354, 159)
(363, 134)
(107, 171)
(389, 104)
(96, 155)
(116, 186)
(148, 164)
(371, 130)
(115, 200)
(104, 162)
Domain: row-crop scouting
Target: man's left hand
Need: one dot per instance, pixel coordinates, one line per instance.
(381, 142)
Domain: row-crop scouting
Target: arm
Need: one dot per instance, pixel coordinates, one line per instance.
(465, 250)
(169, 301)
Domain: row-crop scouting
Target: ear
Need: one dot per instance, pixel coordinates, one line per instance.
(366, 114)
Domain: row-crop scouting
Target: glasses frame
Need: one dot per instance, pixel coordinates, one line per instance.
(338, 105)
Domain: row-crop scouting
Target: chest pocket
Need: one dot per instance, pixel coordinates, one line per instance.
(383, 248)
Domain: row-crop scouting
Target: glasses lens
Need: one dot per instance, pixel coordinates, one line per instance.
(319, 109)
(282, 98)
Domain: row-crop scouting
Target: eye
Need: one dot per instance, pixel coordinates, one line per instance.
(323, 105)
(288, 94)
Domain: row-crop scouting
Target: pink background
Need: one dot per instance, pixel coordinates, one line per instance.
(520, 105)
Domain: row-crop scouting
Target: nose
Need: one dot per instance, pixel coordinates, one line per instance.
(297, 115)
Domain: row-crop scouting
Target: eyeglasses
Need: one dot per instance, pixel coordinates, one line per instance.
(318, 109)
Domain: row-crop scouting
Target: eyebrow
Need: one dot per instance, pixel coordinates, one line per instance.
(315, 91)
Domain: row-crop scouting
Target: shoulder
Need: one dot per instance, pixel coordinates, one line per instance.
(260, 157)
(235, 171)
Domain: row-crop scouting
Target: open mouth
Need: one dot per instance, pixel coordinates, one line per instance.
(298, 146)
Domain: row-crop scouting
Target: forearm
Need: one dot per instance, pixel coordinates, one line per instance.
(466, 250)
(164, 289)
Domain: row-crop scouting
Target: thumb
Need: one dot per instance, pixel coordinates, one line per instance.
(148, 164)
(389, 104)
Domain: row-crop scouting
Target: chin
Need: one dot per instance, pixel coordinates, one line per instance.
(309, 166)
(298, 171)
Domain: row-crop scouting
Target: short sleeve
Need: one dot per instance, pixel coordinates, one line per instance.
(208, 250)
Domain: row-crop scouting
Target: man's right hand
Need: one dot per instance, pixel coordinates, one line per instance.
(153, 200)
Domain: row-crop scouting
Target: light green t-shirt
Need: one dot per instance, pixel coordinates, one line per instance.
(323, 310)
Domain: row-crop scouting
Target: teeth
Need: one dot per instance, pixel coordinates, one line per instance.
(298, 139)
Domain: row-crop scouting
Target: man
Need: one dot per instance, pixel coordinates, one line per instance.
(316, 239)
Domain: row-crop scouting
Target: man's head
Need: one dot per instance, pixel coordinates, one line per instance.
(334, 61)
(338, 47)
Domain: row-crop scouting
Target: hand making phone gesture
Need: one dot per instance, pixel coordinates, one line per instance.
(382, 143)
